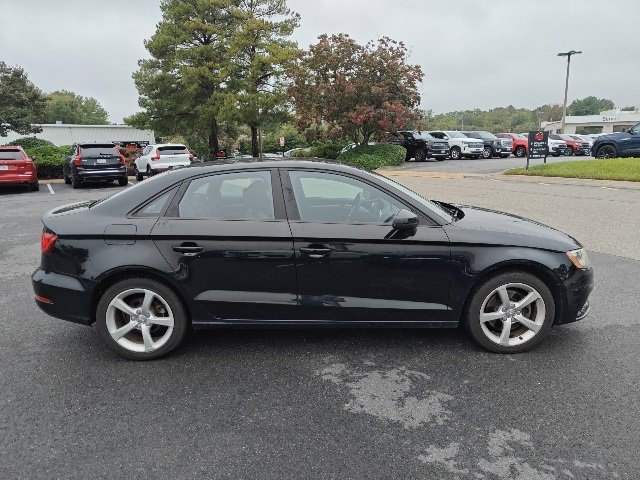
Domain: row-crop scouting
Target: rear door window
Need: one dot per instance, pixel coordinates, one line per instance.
(11, 154)
(173, 150)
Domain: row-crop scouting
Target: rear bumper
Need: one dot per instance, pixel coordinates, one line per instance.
(62, 291)
(17, 178)
(163, 167)
(105, 174)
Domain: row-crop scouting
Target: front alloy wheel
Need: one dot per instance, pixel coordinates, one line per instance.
(141, 319)
(520, 152)
(607, 151)
(487, 152)
(455, 153)
(511, 313)
(421, 155)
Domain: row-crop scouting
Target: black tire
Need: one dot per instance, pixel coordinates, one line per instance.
(455, 153)
(607, 151)
(149, 172)
(75, 182)
(421, 155)
(34, 187)
(123, 181)
(569, 152)
(520, 152)
(487, 152)
(138, 175)
(67, 180)
(484, 293)
(181, 325)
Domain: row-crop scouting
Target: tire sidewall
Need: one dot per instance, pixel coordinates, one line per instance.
(181, 321)
(480, 293)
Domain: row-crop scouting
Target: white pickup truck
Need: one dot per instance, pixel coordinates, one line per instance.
(459, 144)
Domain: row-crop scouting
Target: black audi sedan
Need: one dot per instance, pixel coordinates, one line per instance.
(301, 243)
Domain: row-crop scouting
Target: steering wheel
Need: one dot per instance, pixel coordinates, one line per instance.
(365, 211)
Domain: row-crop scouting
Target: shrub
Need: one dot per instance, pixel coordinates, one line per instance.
(370, 157)
(49, 160)
(31, 142)
(326, 150)
(302, 153)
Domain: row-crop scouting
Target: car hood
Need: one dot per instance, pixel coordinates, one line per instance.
(490, 227)
(613, 136)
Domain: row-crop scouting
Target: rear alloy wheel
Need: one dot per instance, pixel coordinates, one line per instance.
(139, 176)
(487, 152)
(520, 152)
(607, 151)
(510, 313)
(421, 155)
(141, 319)
(455, 153)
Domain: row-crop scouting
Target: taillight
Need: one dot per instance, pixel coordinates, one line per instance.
(48, 242)
(156, 156)
(78, 157)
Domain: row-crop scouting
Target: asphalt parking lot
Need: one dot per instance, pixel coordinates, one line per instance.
(337, 404)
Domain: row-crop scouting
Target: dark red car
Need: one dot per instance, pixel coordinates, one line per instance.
(16, 168)
(575, 147)
(520, 143)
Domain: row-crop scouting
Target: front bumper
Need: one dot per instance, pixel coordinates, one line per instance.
(466, 150)
(62, 291)
(578, 288)
(438, 152)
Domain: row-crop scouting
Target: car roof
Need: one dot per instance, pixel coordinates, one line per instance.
(10, 147)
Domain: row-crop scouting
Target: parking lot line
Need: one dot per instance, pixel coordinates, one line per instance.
(50, 189)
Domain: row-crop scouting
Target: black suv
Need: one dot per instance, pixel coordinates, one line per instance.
(420, 145)
(621, 144)
(95, 161)
(493, 146)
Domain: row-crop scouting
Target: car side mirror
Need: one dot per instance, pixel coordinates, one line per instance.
(405, 220)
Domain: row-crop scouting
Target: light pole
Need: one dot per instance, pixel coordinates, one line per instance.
(566, 85)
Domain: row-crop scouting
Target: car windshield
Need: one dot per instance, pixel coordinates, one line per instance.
(484, 135)
(431, 206)
(10, 154)
(95, 150)
(553, 136)
(456, 135)
(423, 135)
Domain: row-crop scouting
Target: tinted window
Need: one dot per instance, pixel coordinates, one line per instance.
(229, 196)
(173, 150)
(156, 207)
(95, 150)
(11, 154)
(332, 198)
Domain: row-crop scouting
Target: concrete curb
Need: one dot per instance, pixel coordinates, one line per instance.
(569, 181)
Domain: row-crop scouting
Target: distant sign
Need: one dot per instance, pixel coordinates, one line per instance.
(282, 141)
(538, 145)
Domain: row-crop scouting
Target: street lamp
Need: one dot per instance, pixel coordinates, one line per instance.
(566, 85)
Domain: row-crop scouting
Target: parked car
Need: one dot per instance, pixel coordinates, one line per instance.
(95, 162)
(582, 138)
(493, 146)
(622, 144)
(16, 168)
(420, 145)
(574, 147)
(293, 151)
(162, 157)
(284, 243)
(557, 146)
(459, 144)
(346, 148)
(519, 144)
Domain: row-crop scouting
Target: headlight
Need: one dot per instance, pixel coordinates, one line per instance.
(579, 258)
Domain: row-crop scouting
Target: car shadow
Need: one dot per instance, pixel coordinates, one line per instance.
(13, 189)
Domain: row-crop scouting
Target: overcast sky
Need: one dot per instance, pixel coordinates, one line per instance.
(474, 53)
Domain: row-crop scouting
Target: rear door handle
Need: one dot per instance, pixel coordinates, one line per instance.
(188, 250)
(315, 253)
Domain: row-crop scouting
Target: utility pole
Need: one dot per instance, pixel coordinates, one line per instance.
(566, 85)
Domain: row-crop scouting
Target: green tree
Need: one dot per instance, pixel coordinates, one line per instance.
(261, 53)
(21, 102)
(355, 90)
(183, 85)
(590, 106)
(68, 107)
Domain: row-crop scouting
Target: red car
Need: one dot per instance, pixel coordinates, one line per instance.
(520, 144)
(16, 168)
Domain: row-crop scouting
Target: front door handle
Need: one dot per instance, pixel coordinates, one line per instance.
(315, 253)
(188, 249)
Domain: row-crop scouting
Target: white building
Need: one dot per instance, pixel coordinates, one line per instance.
(65, 134)
(610, 121)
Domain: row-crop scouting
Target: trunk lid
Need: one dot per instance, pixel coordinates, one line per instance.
(99, 157)
(12, 161)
